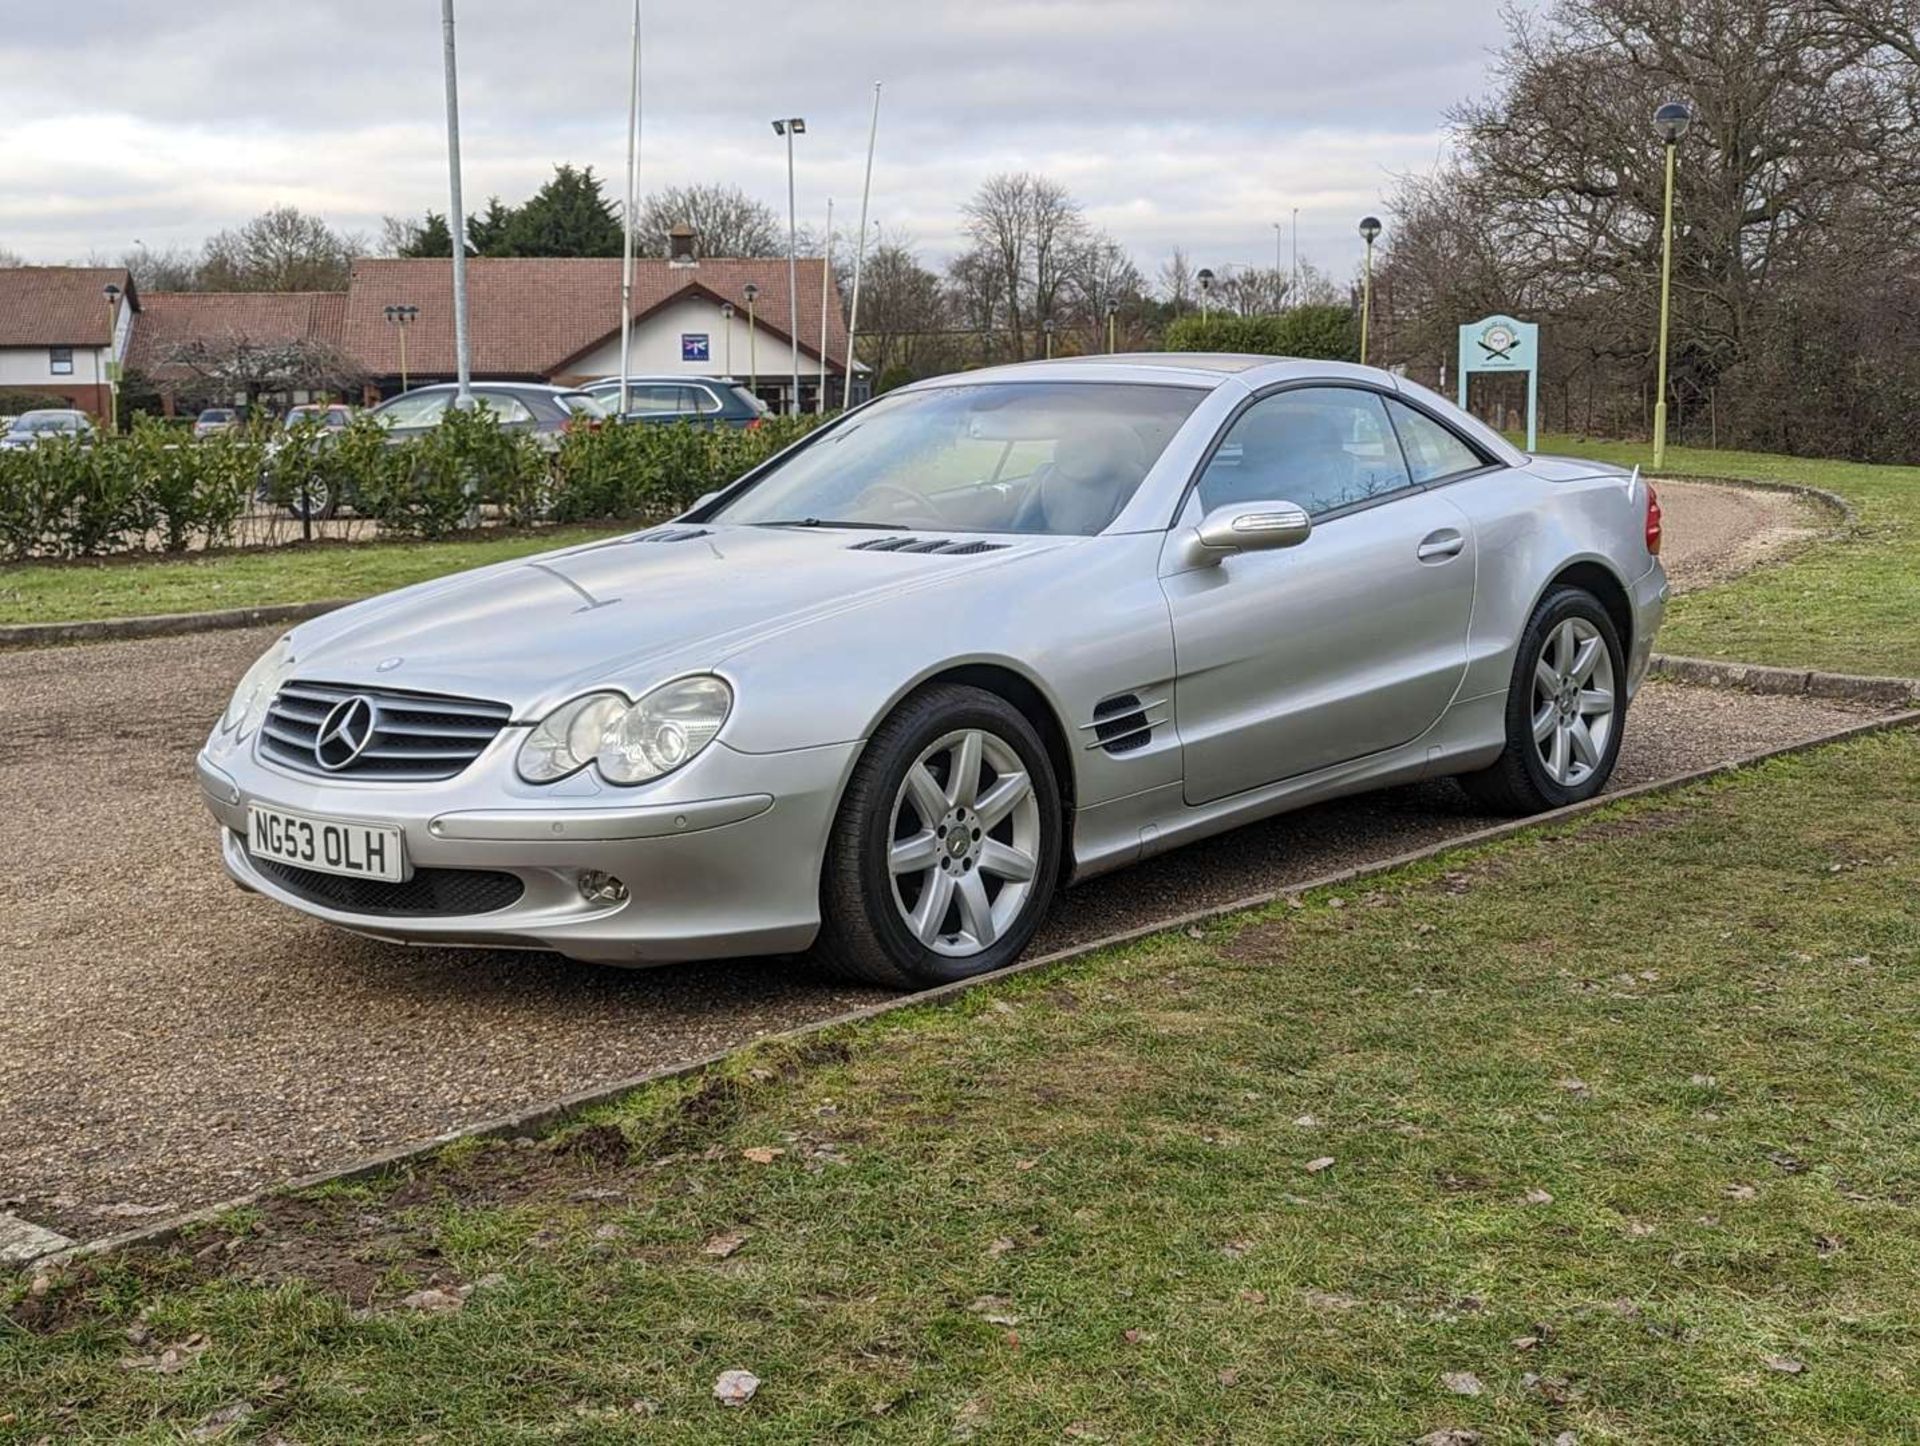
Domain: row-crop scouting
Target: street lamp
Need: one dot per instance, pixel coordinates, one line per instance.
(1670, 122)
(1047, 327)
(1113, 313)
(726, 327)
(790, 127)
(402, 317)
(753, 341)
(1205, 277)
(112, 293)
(1369, 233)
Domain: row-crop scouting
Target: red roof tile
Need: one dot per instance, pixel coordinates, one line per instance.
(170, 318)
(529, 316)
(61, 305)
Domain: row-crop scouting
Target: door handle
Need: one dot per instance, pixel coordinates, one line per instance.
(1441, 545)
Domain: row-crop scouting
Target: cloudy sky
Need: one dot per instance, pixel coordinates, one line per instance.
(1197, 124)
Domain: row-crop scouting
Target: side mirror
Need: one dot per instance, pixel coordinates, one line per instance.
(1246, 527)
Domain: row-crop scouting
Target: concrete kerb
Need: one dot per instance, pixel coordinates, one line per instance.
(544, 1116)
(1798, 682)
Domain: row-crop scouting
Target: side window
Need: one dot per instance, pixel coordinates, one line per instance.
(505, 406)
(703, 401)
(1433, 451)
(653, 400)
(1320, 447)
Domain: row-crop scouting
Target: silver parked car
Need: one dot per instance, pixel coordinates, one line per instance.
(983, 636)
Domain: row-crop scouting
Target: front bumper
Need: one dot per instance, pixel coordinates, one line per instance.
(720, 860)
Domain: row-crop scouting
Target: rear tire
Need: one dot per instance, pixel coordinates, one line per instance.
(946, 848)
(1566, 710)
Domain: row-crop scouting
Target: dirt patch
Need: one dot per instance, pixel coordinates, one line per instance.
(1714, 533)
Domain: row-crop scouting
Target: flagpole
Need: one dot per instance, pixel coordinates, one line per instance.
(860, 247)
(627, 216)
(826, 284)
(457, 216)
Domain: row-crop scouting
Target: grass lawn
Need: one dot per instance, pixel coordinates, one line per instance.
(1849, 605)
(70, 592)
(1608, 1130)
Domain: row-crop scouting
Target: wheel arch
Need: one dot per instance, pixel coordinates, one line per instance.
(1595, 576)
(1018, 688)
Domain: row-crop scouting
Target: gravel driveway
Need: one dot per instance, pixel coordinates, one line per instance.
(167, 1041)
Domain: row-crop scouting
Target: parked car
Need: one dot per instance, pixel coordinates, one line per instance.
(315, 501)
(521, 407)
(703, 401)
(30, 429)
(986, 634)
(213, 420)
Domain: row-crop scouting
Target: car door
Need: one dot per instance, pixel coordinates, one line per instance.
(1352, 642)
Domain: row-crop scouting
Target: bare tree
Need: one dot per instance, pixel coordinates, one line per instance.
(1178, 288)
(284, 249)
(173, 268)
(726, 222)
(235, 364)
(1030, 232)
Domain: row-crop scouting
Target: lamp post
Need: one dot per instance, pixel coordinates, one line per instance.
(1113, 314)
(1278, 270)
(1047, 327)
(726, 328)
(790, 127)
(1205, 277)
(112, 293)
(402, 317)
(1369, 233)
(1670, 122)
(753, 341)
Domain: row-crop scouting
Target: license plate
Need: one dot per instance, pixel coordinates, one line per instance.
(327, 845)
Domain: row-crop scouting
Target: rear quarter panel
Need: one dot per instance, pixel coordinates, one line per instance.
(1531, 523)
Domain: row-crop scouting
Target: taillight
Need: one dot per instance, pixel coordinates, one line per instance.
(753, 425)
(1653, 519)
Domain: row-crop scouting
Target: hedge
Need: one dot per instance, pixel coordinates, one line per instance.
(1328, 333)
(152, 491)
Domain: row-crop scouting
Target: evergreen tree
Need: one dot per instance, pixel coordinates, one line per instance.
(568, 216)
(431, 237)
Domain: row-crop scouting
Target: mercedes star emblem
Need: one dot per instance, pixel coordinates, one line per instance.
(345, 733)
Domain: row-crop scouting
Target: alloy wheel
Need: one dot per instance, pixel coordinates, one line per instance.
(1573, 702)
(965, 842)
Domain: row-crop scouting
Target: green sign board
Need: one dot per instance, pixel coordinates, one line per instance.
(1502, 344)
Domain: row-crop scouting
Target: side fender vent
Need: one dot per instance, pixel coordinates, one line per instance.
(1120, 724)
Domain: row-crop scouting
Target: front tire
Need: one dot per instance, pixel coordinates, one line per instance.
(946, 849)
(1566, 710)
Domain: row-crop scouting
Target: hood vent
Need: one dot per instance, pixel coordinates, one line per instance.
(673, 534)
(944, 546)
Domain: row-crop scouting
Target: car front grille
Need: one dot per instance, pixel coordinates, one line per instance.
(429, 893)
(404, 737)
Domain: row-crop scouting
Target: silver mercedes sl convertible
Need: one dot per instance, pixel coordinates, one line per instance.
(984, 636)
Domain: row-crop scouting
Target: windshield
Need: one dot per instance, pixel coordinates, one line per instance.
(1058, 458)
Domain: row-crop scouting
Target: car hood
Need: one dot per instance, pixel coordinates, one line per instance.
(629, 612)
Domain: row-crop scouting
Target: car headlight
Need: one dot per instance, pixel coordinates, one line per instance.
(257, 687)
(627, 743)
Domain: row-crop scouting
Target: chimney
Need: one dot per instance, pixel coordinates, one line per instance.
(680, 246)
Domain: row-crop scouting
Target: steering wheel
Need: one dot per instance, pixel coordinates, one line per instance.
(913, 502)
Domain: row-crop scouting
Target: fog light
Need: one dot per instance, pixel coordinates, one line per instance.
(602, 889)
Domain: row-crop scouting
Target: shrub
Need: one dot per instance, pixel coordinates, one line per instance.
(1328, 333)
(645, 471)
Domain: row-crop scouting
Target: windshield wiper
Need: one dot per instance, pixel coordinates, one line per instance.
(833, 522)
